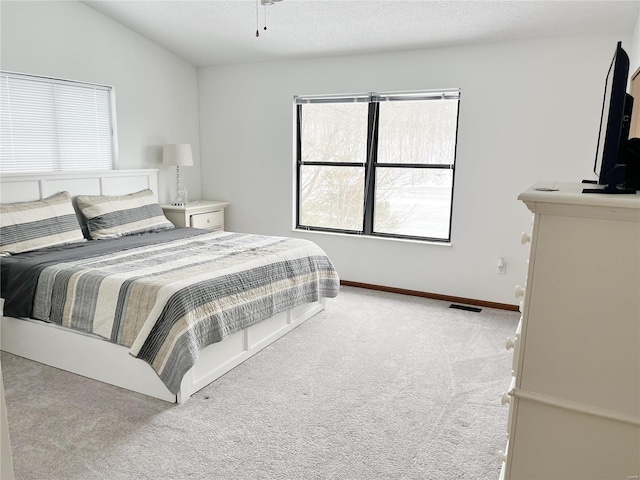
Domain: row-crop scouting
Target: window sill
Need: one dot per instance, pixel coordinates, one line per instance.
(373, 237)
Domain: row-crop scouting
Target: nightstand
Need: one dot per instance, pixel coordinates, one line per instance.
(198, 214)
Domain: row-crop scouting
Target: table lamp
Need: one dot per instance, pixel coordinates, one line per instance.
(178, 155)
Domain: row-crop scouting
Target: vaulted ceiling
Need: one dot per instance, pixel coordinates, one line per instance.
(211, 32)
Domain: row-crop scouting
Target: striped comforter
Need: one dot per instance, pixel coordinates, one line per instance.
(167, 301)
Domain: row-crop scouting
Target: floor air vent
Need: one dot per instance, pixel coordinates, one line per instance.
(465, 307)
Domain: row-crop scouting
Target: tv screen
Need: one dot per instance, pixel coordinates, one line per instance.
(615, 121)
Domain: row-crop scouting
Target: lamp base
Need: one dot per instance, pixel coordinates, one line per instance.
(180, 199)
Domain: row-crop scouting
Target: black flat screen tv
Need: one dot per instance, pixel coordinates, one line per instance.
(615, 121)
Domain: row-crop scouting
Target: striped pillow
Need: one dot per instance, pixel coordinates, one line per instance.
(26, 226)
(116, 216)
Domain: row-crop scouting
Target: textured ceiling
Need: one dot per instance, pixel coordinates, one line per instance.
(221, 32)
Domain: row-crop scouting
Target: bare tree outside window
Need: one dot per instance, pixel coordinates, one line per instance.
(333, 196)
(417, 199)
(378, 167)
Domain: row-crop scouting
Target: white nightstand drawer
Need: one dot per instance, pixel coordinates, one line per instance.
(212, 220)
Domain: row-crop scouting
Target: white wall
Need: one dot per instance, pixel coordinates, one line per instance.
(156, 91)
(529, 110)
(634, 51)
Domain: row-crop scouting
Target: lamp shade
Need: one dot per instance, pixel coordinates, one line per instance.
(178, 155)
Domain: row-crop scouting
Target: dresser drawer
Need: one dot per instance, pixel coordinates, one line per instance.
(516, 348)
(502, 457)
(210, 220)
(509, 400)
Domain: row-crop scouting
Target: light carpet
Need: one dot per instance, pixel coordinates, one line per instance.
(377, 386)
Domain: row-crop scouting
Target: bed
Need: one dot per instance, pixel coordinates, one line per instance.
(157, 310)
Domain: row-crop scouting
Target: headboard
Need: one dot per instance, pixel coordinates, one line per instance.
(26, 187)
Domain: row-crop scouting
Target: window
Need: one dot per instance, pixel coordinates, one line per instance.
(377, 164)
(50, 124)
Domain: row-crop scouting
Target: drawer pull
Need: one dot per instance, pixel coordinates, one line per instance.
(519, 291)
(525, 238)
(505, 399)
(510, 343)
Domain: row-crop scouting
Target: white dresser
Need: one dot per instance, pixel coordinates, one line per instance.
(574, 400)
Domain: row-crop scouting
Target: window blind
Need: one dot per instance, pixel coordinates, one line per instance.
(448, 94)
(51, 124)
(301, 100)
(451, 94)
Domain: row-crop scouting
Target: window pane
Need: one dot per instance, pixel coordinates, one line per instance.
(418, 132)
(335, 132)
(332, 197)
(413, 201)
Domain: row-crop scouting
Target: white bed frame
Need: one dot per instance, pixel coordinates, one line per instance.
(95, 358)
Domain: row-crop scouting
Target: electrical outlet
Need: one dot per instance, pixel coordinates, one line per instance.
(502, 267)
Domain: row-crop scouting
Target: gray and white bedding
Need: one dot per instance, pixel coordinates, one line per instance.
(166, 295)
